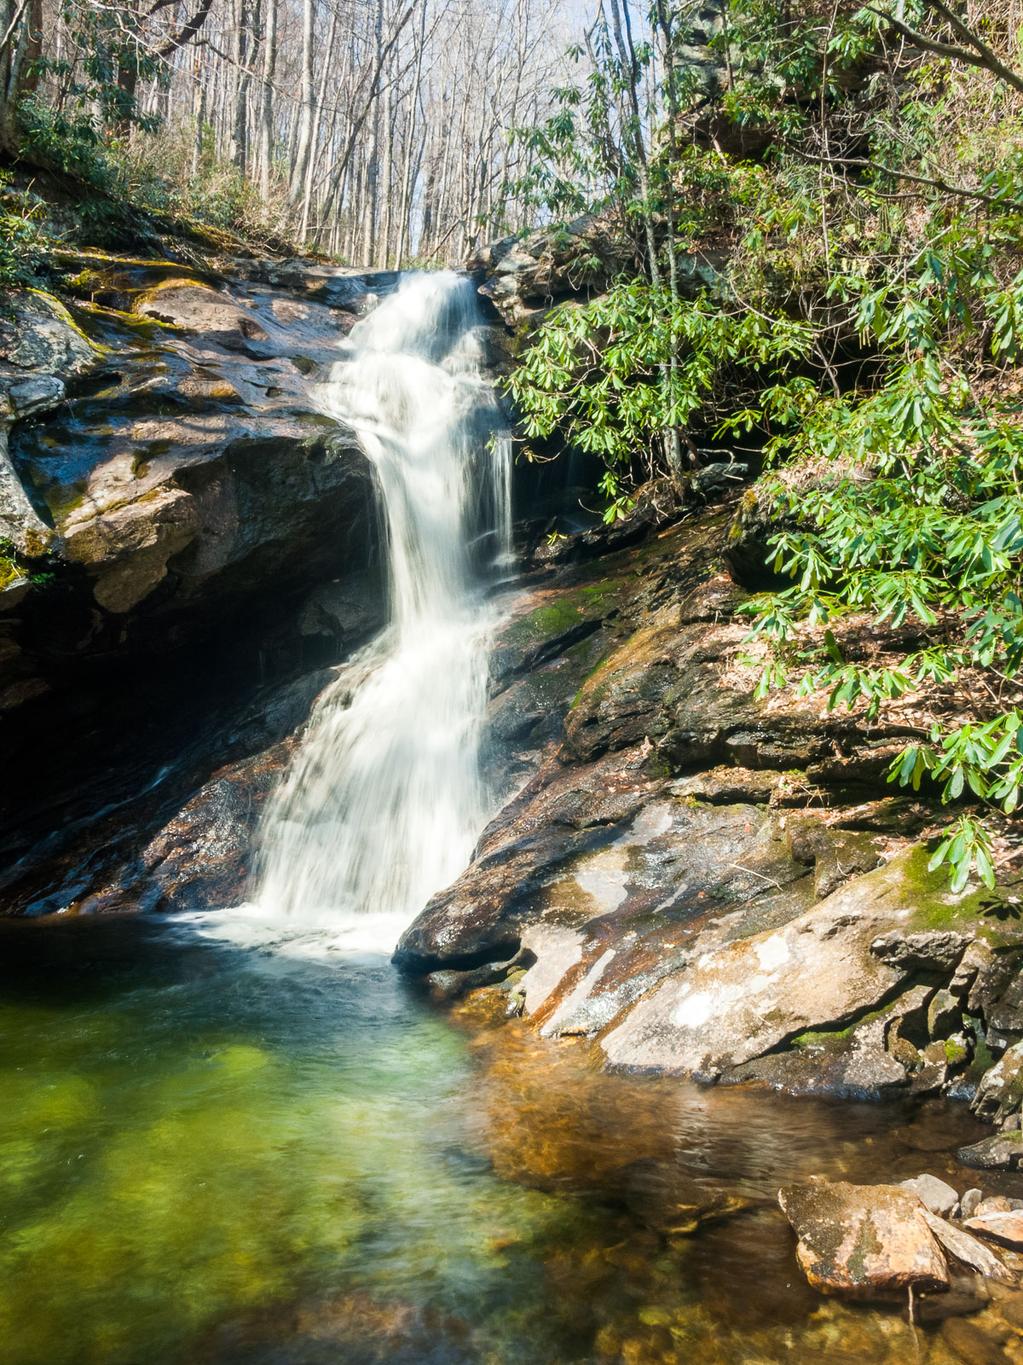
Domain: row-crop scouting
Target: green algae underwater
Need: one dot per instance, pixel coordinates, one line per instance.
(212, 1155)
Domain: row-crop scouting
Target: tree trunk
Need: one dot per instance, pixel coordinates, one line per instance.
(240, 126)
(266, 103)
(305, 128)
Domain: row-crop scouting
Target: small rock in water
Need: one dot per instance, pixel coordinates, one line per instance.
(969, 1202)
(1005, 1228)
(969, 1250)
(1000, 1152)
(1011, 1309)
(863, 1240)
(968, 1294)
(933, 1193)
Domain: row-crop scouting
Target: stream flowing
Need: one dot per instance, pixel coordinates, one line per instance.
(384, 800)
(270, 1149)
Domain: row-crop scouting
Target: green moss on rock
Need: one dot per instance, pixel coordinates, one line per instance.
(956, 1052)
(9, 571)
(935, 907)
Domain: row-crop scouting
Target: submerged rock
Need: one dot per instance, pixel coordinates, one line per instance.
(974, 1344)
(863, 1240)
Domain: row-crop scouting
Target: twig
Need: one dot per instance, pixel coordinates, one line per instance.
(750, 872)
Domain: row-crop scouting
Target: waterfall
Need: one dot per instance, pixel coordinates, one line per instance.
(383, 801)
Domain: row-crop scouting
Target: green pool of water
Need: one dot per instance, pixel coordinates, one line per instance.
(211, 1155)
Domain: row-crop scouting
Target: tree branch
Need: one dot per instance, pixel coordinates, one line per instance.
(187, 32)
(978, 54)
(864, 163)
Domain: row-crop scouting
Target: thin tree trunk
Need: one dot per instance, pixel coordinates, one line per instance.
(305, 132)
(239, 149)
(662, 15)
(266, 103)
(198, 116)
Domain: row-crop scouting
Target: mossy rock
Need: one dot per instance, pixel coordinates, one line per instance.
(10, 571)
(936, 907)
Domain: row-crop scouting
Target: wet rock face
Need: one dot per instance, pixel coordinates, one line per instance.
(164, 465)
(163, 816)
(202, 857)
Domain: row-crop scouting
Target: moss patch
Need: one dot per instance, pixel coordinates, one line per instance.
(9, 570)
(590, 603)
(956, 1053)
(934, 907)
(836, 1040)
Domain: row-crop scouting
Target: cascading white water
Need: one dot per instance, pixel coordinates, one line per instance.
(384, 800)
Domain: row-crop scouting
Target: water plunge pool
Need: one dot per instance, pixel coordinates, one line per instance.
(212, 1155)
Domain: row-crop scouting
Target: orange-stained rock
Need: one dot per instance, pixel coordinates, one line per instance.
(863, 1240)
(968, 1249)
(1004, 1227)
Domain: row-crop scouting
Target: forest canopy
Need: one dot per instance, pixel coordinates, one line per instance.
(372, 131)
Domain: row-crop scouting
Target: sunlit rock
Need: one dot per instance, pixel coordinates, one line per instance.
(863, 1240)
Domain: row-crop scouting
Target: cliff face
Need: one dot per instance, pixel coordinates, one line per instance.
(164, 466)
(179, 528)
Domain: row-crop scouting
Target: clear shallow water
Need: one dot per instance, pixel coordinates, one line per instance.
(208, 1155)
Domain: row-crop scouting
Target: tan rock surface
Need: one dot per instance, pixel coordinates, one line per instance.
(863, 1240)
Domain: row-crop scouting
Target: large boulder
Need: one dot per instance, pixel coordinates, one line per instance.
(701, 880)
(730, 1004)
(863, 1240)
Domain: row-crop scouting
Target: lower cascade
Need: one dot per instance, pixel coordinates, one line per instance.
(384, 799)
